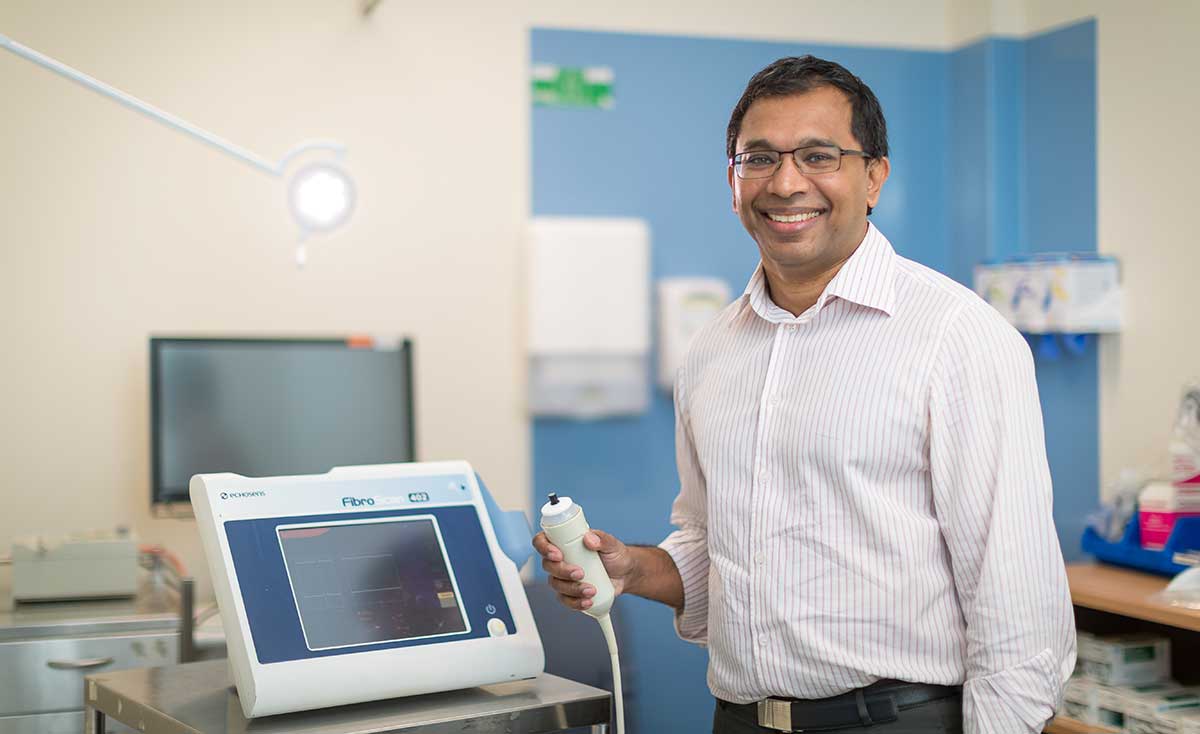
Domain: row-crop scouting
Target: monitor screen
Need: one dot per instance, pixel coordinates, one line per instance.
(370, 582)
(273, 407)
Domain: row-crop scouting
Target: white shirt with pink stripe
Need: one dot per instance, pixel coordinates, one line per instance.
(864, 494)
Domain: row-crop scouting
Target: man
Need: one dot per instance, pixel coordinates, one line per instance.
(865, 538)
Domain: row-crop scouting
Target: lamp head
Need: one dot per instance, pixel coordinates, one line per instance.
(321, 197)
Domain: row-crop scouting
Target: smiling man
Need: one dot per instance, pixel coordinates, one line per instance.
(865, 540)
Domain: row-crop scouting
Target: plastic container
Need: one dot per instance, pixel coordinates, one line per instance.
(1184, 447)
(1160, 506)
(1128, 551)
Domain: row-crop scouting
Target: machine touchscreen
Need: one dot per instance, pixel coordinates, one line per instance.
(360, 583)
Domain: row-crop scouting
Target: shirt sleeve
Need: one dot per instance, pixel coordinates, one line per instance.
(993, 498)
(688, 546)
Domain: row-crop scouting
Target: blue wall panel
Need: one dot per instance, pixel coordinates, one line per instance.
(959, 126)
(659, 154)
(985, 155)
(1061, 215)
(967, 201)
(1060, 117)
(1022, 180)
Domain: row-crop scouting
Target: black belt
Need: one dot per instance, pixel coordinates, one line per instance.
(878, 703)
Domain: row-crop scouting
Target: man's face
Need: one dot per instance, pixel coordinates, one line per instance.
(831, 207)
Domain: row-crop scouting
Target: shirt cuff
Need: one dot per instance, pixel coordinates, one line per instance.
(690, 555)
(1017, 699)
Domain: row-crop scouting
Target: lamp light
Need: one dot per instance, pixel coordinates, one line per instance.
(320, 195)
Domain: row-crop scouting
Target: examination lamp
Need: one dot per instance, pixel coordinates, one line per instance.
(320, 195)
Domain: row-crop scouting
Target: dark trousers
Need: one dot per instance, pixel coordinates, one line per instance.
(943, 716)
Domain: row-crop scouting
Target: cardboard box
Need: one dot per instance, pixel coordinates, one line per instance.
(1129, 660)
(1155, 713)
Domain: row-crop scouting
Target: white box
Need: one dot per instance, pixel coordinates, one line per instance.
(1130, 660)
(1116, 704)
(1068, 292)
(78, 566)
(1157, 713)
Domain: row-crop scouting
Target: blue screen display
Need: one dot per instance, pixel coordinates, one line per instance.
(405, 618)
(358, 583)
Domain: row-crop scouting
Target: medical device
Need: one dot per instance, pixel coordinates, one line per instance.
(565, 526)
(365, 583)
(80, 565)
(275, 407)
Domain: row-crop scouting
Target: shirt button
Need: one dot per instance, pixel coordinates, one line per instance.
(762, 476)
(763, 641)
(775, 400)
(760, 558)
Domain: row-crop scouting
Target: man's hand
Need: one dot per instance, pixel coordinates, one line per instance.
(618, 559)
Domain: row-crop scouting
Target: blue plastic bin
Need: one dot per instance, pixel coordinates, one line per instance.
(1128, 551)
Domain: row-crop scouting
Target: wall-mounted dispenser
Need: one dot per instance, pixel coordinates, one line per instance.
(589, 317)
(1061, 293)
(684, 306)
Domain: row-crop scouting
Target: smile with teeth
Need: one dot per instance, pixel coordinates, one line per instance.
(791, 218)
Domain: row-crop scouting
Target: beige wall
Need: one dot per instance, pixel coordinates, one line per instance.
(1146, 164)
(1146, 160)
(113, 227)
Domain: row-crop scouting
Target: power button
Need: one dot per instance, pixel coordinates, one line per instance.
(496, 627)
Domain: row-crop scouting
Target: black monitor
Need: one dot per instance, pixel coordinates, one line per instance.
(273, 407)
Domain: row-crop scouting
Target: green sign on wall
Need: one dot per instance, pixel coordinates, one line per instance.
(568, 86)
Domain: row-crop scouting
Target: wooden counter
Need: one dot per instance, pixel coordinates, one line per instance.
(1128, 593)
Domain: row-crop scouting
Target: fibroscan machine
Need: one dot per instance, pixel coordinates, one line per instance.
(365, 583)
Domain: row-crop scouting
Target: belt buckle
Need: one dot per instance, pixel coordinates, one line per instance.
(775, 714)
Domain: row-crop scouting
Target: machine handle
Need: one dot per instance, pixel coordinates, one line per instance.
(78, 664)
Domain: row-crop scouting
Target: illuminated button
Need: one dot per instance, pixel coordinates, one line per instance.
(490, 609)
(496, 627)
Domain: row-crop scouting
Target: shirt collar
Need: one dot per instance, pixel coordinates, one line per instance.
(867, 278)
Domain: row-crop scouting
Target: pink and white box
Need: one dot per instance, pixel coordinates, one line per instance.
(1160, 505)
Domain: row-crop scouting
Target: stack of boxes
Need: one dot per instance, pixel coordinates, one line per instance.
(1160, 505)
(1123, 681)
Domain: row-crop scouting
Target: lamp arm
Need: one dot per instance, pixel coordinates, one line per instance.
(136, 104)
(334, 146)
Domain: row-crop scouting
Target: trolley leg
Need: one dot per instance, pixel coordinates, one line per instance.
(93, 720)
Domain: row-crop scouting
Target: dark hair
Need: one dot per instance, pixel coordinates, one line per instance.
(799, 74)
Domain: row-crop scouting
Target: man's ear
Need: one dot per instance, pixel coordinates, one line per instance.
(732, 190)
(877, 173)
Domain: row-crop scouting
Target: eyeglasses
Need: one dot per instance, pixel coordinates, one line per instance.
(809, 159)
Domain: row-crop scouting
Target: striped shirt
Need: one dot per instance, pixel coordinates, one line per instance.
(864, 494)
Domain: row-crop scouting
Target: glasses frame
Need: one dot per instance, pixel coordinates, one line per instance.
(842, 153)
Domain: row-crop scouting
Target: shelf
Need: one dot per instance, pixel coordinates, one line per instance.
(1063, 725)
(1126, 592)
